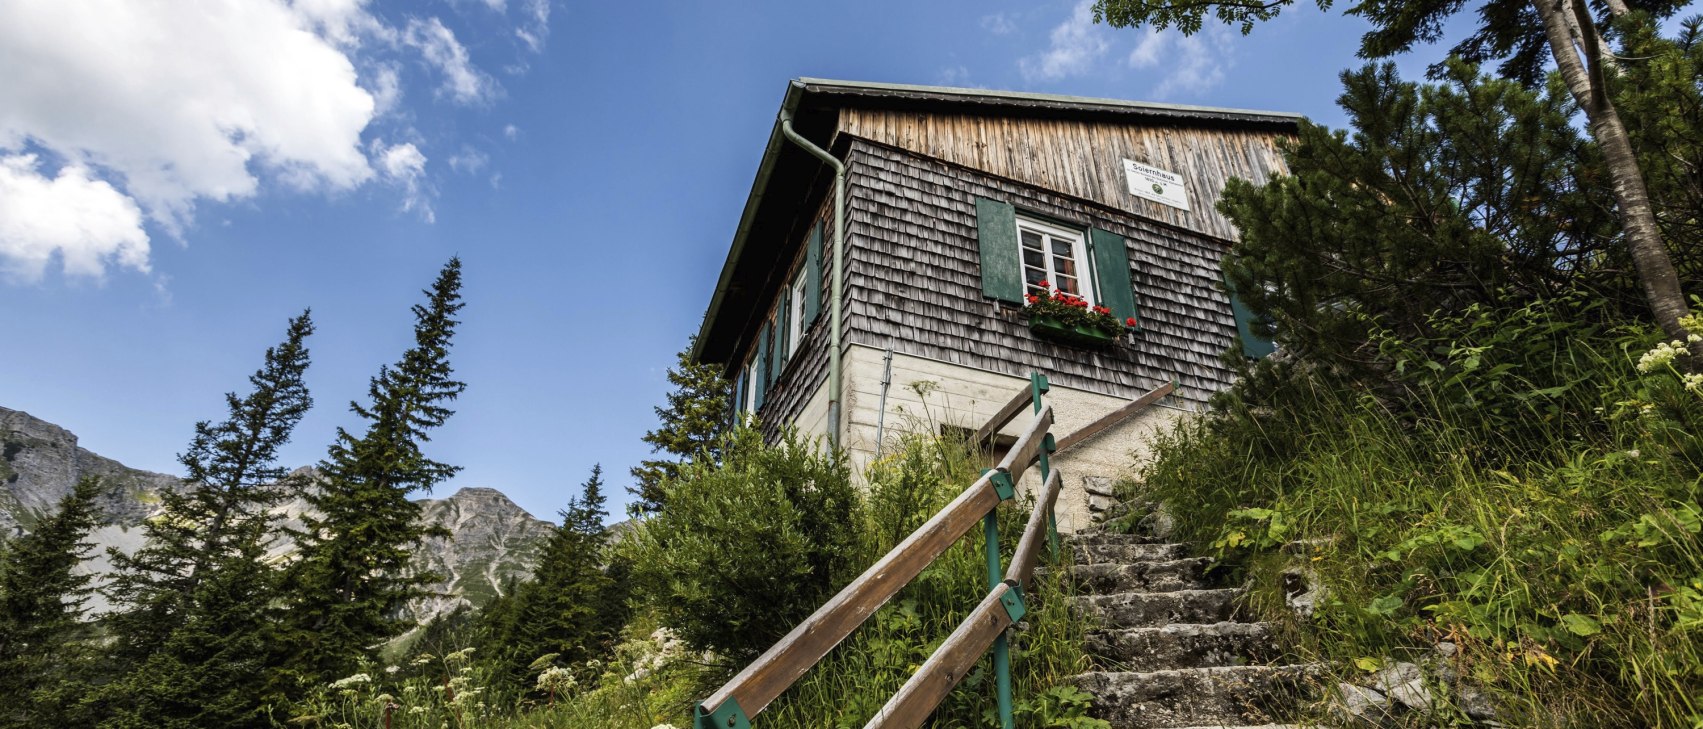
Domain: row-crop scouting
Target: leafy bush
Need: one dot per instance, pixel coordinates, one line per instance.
(750, 545)
(1518, 487)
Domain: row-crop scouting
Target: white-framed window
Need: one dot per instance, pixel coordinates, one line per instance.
(1056, 255)
(795, 317)
(751, 385)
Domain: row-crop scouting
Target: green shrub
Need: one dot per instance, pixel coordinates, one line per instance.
(748, 546)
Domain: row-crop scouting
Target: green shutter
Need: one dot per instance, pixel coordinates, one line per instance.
(1111, 272)
(762, 365)
(996, 230)
(782, 345)
(813, 275)
(1254, 343)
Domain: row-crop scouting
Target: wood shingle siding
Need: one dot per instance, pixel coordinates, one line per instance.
(1083, 158)
(913, 281)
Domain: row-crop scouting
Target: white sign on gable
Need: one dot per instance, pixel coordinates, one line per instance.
(1160, 186)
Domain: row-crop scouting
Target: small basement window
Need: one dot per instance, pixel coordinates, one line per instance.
(1055, 255)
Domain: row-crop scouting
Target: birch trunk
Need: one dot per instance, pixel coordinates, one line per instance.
(1643, 237)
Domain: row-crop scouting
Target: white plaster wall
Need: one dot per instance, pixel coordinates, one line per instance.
(967, 397)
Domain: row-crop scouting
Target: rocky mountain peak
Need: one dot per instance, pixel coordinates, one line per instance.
(492, 543)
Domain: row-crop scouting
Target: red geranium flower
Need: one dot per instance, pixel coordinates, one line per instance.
(1130, 321)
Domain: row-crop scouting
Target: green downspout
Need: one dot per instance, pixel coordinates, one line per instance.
(839, 253)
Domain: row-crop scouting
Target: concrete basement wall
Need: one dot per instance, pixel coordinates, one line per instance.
(965, 397)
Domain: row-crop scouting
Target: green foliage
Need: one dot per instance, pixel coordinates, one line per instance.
(1507, 30)
(654, 677)
(747, 546)
(1519, 488)
(921, 474)
(689, 428)
(43, 641)
(196, 603)
(1444, 195)
(352, 576)
(572, 608)
(1661, 98)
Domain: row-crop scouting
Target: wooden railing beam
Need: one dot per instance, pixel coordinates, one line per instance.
(1116, 416)
(1034, 533)
(1006, 414)
(947, 666)
(1028, 446)
(774, 671)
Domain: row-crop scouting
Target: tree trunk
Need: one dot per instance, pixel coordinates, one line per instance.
(1643, 238)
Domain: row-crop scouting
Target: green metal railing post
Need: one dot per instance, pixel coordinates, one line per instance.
(1007, 489)
(1039, 386)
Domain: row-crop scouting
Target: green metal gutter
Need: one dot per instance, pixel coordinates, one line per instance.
(839, 257)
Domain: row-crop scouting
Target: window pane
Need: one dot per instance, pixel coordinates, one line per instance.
(1064, 266)
(1034, 275)
(1034, 258)
(1067, 284)
(1031, 240)
(1061, 247)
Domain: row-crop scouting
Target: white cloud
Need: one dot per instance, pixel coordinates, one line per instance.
(385, 84)
(1074, 46)
(438, 46)
(1190, 65)
(511, 132)
(405, 165)
(177, 99)
(468, 160)
(535, 27)
(1000, 23)
(83, 221)
(141, 110)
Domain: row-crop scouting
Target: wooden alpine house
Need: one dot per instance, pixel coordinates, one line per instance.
(957, 205)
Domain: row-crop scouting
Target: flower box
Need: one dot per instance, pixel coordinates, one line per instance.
(1067, 318)
(1051, 329)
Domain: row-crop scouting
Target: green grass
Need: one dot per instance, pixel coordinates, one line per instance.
(1518, 488)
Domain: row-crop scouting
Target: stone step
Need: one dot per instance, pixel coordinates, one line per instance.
(1153, 609)
(1184, 645)
(1229, 696)
(1126, 553)
(1244, 726)
(1094, 536)
(1162, 576)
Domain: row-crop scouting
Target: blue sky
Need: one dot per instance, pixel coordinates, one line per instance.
(179, 177)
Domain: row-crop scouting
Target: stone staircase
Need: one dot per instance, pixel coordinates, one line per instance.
(1170, 648)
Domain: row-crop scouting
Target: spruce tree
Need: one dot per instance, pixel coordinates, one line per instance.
(691, 425)
(42, 596)
(195, 602)
(352, 576)
(568, 608)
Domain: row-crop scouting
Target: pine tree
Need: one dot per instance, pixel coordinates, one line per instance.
(691, 425)
(42, 598)
(568, 608)
(195, 602)
(352, 576)
(1518, 33)
(1438, 197)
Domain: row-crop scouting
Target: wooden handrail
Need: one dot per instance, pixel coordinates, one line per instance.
(780, 666)
(947, 666)
(1028, 446)
(1008, 412)
(1116, 416)
(764, 679)
(1034, 533)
